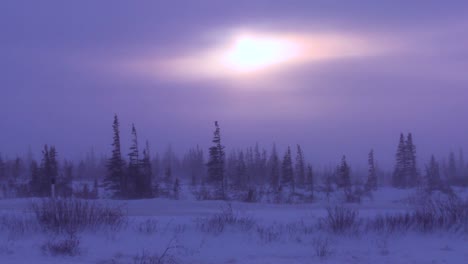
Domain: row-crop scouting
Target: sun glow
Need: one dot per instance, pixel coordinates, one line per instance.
(252, 55)
(249, 53)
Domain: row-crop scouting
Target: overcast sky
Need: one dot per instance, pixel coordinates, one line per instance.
(66, 68)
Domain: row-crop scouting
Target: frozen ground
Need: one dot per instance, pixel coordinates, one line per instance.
(282, 234)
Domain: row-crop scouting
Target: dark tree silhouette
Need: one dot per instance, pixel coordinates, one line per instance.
(300, 167)
(287, 179)
(146, 173)
(399, 174)
(115, 180)
(216, 165)
(371, 183)
(274, 168)
(433, 175)
(411, 170)
(343, 173)
(310, 180)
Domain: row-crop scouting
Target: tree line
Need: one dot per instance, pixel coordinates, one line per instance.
(242, 174)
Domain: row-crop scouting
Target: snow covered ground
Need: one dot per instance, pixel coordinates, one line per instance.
(272, 234)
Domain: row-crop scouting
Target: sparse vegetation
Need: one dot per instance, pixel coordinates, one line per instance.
(219, 222)
(72, 215)
(62, 247)
(341, 219)
(322, 247)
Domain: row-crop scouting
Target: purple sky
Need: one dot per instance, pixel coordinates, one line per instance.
(60, 82)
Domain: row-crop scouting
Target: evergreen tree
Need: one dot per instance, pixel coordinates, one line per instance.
(461, 165)
(2, 168)
(194, 165)
(48, 171)
(17, 168)
(146, 173)
(35, 183)
(343, 173)
(95, 189)
(116, 180)
(64, 183)
(452, 169)
(274, 168)
(399, 174)
(310, 180)
(257, 165)
(241, 172)
(371, 183)
(135, 180)
(263, 167)
(156, 168)
(287, 178)
(216, 165)
(411, 170)
(176, 189)
(300, 166)
(165, 187)
(433, 175)
(250, 166)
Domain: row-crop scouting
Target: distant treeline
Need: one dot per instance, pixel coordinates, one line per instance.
(242, 174)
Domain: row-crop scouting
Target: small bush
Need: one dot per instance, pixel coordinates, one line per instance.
(341, 219)
(225, 218)
(72, 215)
(63, 247)
(434, 214)
(148, 227)
(269, 234)
(322, 247)
(17, 225)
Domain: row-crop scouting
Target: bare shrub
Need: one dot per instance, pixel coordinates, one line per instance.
(148, 227)
(322, 247)
(151, 258)
(218, 222)
(341, 219)
(17, 225)
(72, 215)
(269, 234)
(62, 247)
(433, 214)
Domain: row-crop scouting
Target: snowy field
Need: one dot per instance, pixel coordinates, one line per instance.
(169, 231)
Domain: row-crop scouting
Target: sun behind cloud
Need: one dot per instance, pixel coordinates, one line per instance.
(251, 53)
(245, 54)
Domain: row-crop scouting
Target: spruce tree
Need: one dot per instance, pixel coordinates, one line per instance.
(371, 183)
(2, 168)
(115, 180)
(411, 170)
(167, 181)
(257, 165)
(135, 180)
(176, 189)
(399, 174)
(433, 175)
(216, 165)
(344, 178)
(274, 167)
(146, 173)
(300, 167)
(241, 172)
(35, 183)
(310, 180)
(452, 169)
(287, 179)
(48, 171)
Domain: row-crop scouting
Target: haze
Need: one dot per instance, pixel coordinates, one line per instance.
(384, 68)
